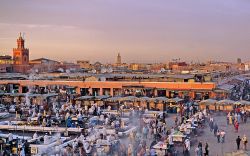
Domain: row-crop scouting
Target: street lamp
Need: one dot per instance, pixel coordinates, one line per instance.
(23, 130)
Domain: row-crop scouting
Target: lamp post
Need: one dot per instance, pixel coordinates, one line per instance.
(23, 130)
(118, 106)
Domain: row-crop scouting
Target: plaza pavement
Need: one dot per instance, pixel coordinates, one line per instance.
(219, 149)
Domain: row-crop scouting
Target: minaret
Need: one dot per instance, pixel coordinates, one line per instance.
(20, 42)
(118, 59)
(20, 54)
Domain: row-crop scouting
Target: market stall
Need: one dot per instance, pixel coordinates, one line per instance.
(209, 103)
(242, 104)
(225, 105)
(173, 104)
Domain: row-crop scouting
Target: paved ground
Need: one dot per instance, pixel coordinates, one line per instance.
(204, 135)
(219, 149)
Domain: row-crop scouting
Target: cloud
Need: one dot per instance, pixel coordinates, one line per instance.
(31, 26)
(6, 38)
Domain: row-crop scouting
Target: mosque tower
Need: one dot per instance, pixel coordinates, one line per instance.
(118, 59)
(20, 54)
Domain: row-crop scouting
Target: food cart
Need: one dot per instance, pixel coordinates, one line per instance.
(34, 121)
(178, 136)
(186, 128)
(159, 147)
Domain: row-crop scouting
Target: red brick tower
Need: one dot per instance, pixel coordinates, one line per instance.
(21, 56)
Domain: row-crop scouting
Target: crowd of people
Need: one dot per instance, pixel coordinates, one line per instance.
(140, 141)
(241, 91)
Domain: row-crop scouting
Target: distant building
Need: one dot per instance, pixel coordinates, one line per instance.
(44, 65)
(97, 66)
(6, 59)
(43, 61)
(134, 66)
(6, 63)
(69, 66)
(246, 67)
(6, 68)
(85, 64)
(118, 59)
(239, 60)
(20, 57)
(177, 65)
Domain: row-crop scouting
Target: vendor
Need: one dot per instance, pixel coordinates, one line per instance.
(113, 124)
(122, 124)
(46, 139)
(79, 117)
(87, 148)
(106, 121)
(130, 150)
(35, 136)
(117, 124)
(109, 108)
(170, 140)
(104, 131)
(187, 146)
(10, 137)
(102, 118)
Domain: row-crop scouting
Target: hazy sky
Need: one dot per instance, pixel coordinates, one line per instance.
(141, 30)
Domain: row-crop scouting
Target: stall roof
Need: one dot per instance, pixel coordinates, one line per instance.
(129, 98)
(101, 97)
(17, 94)
(164, 99)
(144, 98)
(242, 102)
(177, 99)
(226, 87)
(226, 102)
(49, 95)
(33, 95)
(115, 98)
(85, 98)
(208, 101)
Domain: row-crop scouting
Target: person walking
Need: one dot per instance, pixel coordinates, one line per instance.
(145, 132)
(197, 151)
(200, 152)
(244, 140)
(211, 124)
(218, 136)
(130, 150)
(238, 140)
(236, 126)
(206, 150)
(230, 119)
(187, 147)
(176, 120)
(222, 136)
(239, 117)
(235, 117)
(215, 129)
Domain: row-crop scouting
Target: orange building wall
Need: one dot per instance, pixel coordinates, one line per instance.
(178, 86)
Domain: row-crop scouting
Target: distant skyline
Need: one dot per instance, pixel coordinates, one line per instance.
(141, 31)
